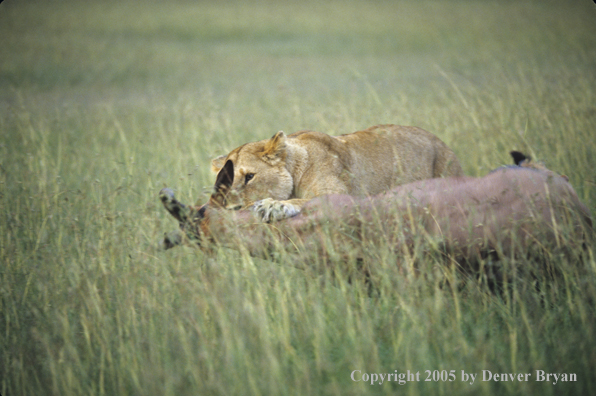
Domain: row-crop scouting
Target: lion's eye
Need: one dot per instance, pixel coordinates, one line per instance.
(248, 177)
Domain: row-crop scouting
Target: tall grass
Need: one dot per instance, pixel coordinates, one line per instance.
(103, 103)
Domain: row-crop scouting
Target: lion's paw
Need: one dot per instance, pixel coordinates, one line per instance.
(268, 210)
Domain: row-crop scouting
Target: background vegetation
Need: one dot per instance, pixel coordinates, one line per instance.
(103, 103)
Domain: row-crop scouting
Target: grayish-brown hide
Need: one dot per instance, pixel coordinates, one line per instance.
(511, 212)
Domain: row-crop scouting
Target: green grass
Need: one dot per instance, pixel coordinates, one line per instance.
(104, 103)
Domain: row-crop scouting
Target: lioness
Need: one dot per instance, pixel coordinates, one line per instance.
(284, 172)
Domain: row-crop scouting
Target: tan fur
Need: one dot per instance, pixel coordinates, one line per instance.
(306, 164)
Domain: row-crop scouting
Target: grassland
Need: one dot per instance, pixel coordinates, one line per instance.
(103, 103)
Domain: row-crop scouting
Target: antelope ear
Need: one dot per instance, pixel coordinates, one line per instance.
(218, 163)
(275, 148)
(223, 183)
(519, 158)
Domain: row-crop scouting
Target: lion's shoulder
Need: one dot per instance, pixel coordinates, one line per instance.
(320, 142)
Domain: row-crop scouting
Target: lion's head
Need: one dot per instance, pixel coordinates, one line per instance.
(254, 171)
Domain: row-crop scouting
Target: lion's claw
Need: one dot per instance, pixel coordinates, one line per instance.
(268, 210)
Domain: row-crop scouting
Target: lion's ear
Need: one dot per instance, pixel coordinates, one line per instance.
(218, 163)
(223, 183)
(275, 148)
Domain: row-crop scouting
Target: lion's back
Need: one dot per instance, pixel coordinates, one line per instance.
(384, 156)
